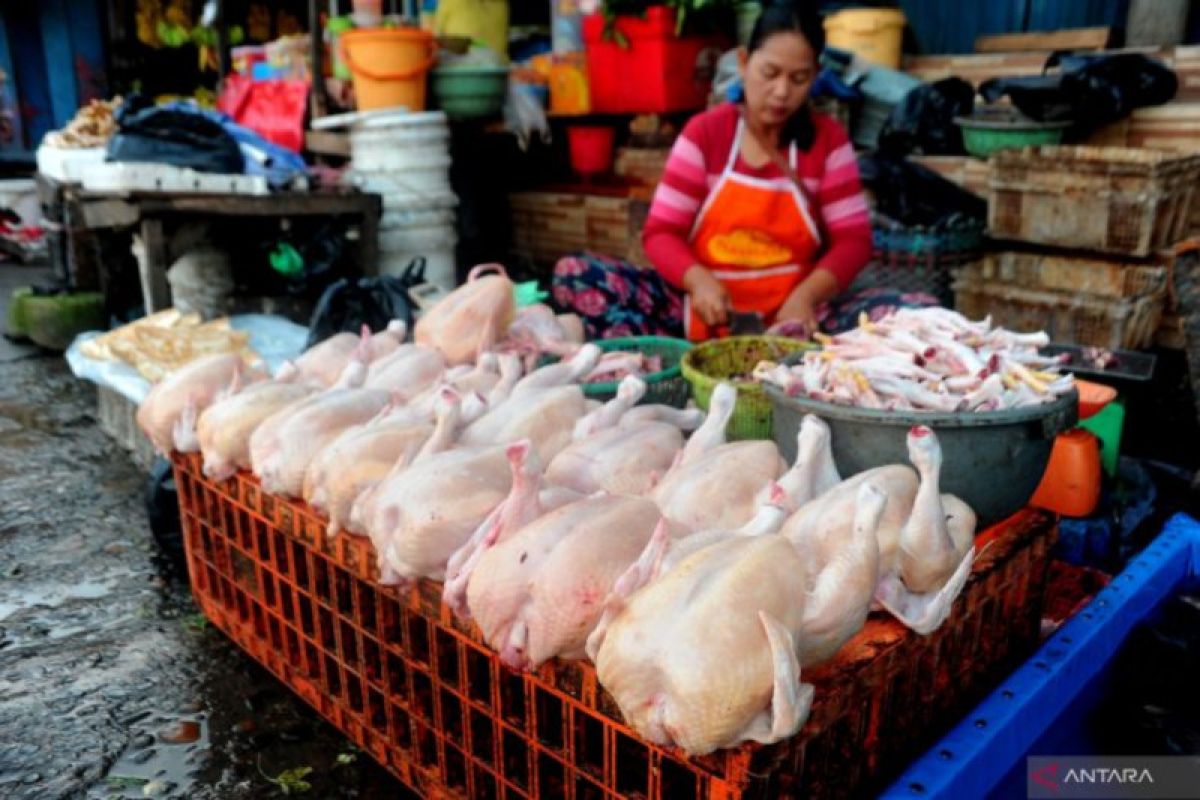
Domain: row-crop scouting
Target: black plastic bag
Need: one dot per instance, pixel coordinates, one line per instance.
(914, 196)
(1089, 91)
(923, 122)
(347, 306)
(174, 136)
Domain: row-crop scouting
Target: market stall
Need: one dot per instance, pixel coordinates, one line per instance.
(603, 524)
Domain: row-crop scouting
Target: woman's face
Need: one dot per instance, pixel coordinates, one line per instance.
(777, 77)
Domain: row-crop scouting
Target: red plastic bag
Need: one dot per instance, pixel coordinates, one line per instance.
(273, 109)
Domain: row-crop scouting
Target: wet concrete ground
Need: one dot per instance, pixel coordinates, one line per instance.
(111, 683)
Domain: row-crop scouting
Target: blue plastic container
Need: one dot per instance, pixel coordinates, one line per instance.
(1042, 708)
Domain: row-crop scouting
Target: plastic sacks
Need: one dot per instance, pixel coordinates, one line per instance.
(923, 122)
(1089, 90)
(174, 135)
(279, 165)
(915, 196)
(347, 306)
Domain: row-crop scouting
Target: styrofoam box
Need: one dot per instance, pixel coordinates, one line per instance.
(66, 165)
(124, 177)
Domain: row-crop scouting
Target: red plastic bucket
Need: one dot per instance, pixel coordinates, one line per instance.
(591, 148)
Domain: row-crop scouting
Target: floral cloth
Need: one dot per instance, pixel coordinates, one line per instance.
(615, 298)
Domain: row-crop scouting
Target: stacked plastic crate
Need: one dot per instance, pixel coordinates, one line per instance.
(1102, 222)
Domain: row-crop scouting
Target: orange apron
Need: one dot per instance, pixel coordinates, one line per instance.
(756, 236)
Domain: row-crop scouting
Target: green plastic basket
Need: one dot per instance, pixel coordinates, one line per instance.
(722, 359)
(667, 387)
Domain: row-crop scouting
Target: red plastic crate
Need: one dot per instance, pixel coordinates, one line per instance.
(656, 74)
(424, 696)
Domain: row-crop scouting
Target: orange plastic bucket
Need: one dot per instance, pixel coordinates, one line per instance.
(389, 66)
(1071, 485)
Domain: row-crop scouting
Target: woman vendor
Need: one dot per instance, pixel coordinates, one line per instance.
(760, 209)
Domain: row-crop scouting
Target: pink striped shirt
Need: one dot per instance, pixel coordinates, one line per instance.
(828, 170)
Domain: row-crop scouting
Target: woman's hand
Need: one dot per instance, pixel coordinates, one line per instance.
(798, 314)
(709, 297)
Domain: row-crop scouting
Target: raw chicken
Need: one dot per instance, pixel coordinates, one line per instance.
(423, 514)
(407, 372)
(448, 413)
(608, 415)
(929, 359)
(620, 460)
(562, 373)
(471, 319)
(225, 427)
(180, 398)
(704, 657)
(717, 485)
(535, 330)
(918, 540)
(685, 419)
(538, 594)
(545, 416)
(842, 586)
(280, 463)
(358, 460)
(814, 472)
(323, 362)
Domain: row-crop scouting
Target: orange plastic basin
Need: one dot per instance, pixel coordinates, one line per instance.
(1093, 397)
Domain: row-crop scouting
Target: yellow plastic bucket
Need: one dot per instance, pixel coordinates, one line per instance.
(874, 34)
(388, 66)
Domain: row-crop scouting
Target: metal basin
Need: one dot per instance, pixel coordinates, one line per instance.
(992, 460)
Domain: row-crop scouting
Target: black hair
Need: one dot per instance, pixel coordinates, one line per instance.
(792, 17)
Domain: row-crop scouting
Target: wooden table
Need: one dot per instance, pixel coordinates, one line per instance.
(149, 212)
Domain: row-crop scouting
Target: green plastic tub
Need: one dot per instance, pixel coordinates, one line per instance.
(987, 134)
(469, 92)
(732, 360)
(667, 387)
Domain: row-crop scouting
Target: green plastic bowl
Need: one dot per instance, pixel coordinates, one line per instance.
(719, 360)
(469, 92)
(982, 136)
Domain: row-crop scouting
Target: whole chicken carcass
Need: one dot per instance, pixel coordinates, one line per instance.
(406, 373)
(448, 413)
(620, 460)
(358, 460)
(225, 427)
(538, 594)
(609, 456)
(323, 363)
(173, 406)
(472, 318)
(923, 537)
(717, 484)
(280, 464)
(704, 657)
(527, 500)
(842, 585)
(545, 416)
(421, 515)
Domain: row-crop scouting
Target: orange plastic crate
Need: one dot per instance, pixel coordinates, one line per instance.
(424, 696)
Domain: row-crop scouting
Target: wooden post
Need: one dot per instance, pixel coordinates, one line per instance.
(316, 59)
(222, 43)
(152, 267)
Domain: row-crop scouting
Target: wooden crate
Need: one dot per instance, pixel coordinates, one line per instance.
(1085, 274)
(1068, 317)
(1114, 200)
(547, 226)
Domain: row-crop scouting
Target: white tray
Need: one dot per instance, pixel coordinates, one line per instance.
(125, 177)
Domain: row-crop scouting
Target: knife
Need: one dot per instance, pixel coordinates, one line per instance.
(744, 323)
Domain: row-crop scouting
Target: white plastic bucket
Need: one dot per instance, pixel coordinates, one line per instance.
(425, 185)
(438, 237)
(407, 216)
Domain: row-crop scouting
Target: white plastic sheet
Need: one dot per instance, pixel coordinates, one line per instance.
(274, 338)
